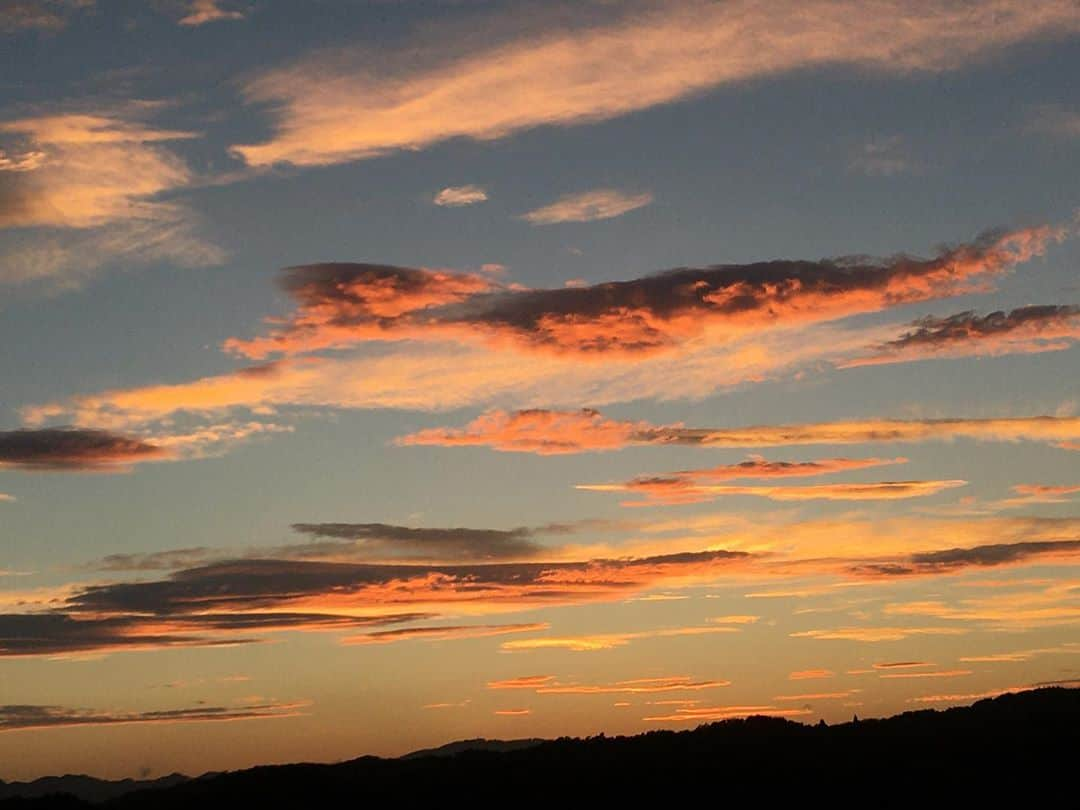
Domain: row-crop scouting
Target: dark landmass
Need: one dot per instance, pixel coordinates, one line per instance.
(85, 787)
(1021, 749)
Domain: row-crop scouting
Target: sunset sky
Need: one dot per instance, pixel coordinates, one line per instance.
(380, 374)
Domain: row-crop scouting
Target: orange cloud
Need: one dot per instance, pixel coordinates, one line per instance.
(552, 432)
(512, 712)
(523, 682)
(1026, 330)
(818, 696)
(341, 305)
(810, 674)
(353, 103)
(457, 196)
(874, 634)
(950, 673)
(662, 493)
(208, 11)
(688, 486)
(588, 206)
(605, 641)
(101, 175)
(680, 683)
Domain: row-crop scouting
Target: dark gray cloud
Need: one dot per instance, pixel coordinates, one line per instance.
(73, 449)
(63, 633)
(955, 559)
(343, 304)
(47, 15)
(14, 717)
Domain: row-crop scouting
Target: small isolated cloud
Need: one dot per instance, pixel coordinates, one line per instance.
(522, 682)
(810, 674)
(883, 157)
(201, 12)
(1027, 330)
(588, 206)
(74, 450)
(457, 196)
(874, 634)
(19, 717)
(512, 712)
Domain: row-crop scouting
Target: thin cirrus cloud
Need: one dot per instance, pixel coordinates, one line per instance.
(20, 717)
(873, 491)
(554, 432)
(1027, 330)
(38, 15)
(74, 450)
(201, 12)
(458, 196)
(706, 714)
(598, 642)
(444, 633)
(637, 686)
(353, 102)
(83, 189)
(342, 305)
(588, 206)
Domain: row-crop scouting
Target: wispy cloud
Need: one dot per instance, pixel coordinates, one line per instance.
(884, 156)
(84, 190)
(873, 634)
(606, 641)
(551, 432)
(588, 206)
(457, 196)
(1027, 330)
(19, 717)
(38, 15)
(354, 103)
(201, 12)
(873, 491)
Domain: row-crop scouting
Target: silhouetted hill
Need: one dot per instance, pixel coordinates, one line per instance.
(85, 787)
(1020, 749)
(479, 744)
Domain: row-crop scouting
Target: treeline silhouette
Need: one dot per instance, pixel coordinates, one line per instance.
(1017, 749)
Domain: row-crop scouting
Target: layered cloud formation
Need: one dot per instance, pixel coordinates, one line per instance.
(74, 449)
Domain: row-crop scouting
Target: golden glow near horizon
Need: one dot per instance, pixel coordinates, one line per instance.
(411, 375)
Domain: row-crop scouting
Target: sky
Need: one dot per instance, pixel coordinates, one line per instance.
(380, 374)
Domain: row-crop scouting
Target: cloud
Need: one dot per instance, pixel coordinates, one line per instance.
(1056, 605)
(1027, 330)
(523, 682)
(448, 633)
(552, 432)
(341, 305)
(39, 15)
(353, 103)
(588, 206)
(380, 539)
(901, 665)
(810, 674)
(679, 683)
(84, 191)
(661, 491)
(457, 196)
(74, 632)
(605, 641)
(817, 696)
(1031, 494)
(984, 556)
(512, 712)
(874, 634)
(74, 449)
(690, 486)
(882, 157)
(950, 673)
(373, 542)
(16, 717)
(207, 11)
